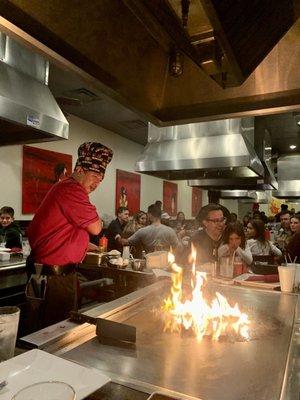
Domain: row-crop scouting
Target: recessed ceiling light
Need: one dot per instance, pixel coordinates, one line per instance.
(292, 146)
(298, 123)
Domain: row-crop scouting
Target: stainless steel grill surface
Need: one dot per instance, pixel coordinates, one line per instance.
(227, 370)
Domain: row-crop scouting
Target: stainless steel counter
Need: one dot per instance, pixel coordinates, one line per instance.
(263, 368)
(13, 263)
(12, 273)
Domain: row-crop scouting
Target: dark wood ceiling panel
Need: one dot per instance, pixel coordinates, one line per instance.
(248, 30)
(126, 52)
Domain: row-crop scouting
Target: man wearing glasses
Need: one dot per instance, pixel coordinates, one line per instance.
(207, 241)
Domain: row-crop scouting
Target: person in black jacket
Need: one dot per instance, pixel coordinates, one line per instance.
(115, 229)
(207, 241)
(10, 232)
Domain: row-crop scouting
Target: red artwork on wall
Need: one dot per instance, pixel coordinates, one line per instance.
(196, 201)
(41, 169)
(170, 190)
(128, 191)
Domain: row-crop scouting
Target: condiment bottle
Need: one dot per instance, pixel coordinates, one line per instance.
(103, 243)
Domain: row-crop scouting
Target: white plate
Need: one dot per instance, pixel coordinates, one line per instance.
(38, 366)
(4, 249)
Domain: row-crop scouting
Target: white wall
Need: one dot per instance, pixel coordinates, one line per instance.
(125, 155)
(232, 205)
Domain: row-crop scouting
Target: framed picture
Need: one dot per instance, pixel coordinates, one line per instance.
(196, 201)
(128, 190)
(41, 169)
(170, 191)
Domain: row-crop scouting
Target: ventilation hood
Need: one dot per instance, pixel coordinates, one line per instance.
(28, 110)
(288, 171)
(238, 195)
(268, 182)
(261, 198)
(215, 150)
(263, 150)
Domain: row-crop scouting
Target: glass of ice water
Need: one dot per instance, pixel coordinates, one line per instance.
(25, 247)
(9, 322)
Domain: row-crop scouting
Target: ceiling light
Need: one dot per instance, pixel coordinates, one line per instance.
(292, 147)
(298, 123)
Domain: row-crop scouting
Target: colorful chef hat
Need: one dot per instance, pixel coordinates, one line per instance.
(94, 157)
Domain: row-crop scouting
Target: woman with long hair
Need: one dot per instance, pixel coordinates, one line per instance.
(295, 223)
(293, 247)
(257, 242)
(180, 221)
(235, 244)
(138, 221)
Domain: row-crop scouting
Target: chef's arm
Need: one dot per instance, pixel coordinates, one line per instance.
(94, 228)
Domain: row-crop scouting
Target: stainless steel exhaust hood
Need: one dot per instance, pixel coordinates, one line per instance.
(219, 149)
(263, 150)
(28, 110)
(238, 195)
(261, 197)
(268, 182)
(288, 170)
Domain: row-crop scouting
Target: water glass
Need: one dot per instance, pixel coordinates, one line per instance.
(2, 240)
(51, 390)
(226, 267)
(9, 322)
(126, 253)
(286, 278)
(25, 248)
(297, 274)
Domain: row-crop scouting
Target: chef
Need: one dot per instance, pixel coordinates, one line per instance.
(59, 232)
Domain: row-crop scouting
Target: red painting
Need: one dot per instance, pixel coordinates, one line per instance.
(196, 201)
(128, 191)
(41, 169)
(170, 190)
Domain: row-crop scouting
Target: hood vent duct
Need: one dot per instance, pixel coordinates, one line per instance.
(28, 110)
(206, 150)
(288, 171)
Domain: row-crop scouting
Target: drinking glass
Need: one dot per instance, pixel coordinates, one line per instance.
(286, 277)
(25, 247)
(226, 267)
(2, 240)
(9, 321)
(50, 390)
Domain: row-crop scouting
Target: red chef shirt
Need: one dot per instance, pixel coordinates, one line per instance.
(57, 234)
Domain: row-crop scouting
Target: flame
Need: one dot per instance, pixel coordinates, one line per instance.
(215, 319)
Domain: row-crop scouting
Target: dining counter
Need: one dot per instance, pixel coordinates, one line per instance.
(177, 365)
(13, 279)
